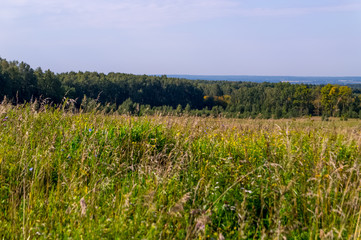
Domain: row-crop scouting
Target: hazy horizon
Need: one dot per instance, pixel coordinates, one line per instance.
(186, 37)
(195, 75)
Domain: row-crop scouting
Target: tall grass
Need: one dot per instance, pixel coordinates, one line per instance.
(97, 176)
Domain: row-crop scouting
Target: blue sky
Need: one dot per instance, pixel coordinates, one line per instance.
(224, 37)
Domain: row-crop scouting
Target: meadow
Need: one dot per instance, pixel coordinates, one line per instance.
(66, 175)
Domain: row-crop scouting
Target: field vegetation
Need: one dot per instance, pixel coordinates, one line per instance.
(89, 175)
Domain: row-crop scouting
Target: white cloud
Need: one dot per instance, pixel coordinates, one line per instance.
(299, 11)
(155, 13)
(123, 14)
(140, 13)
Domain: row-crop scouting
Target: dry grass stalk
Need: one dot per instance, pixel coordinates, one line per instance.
(221, 237)
(83, 206)
(179, 206)
(201, 222)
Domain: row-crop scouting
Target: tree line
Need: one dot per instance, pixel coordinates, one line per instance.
(142, 94)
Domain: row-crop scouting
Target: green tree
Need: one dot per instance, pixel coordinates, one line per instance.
(127, 107)
(28, 82)
(329, 97)
(179, 110)
(187, 109)
(344, 99)
(302, 99)
(49, 85)
(3, 83)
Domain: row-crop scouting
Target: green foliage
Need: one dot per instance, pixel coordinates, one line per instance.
(128, 107)
(142, 94)
(50, 85)
(92, 176)
(302, 99)
(335, 98)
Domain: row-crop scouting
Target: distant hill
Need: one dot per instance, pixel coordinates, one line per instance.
(274, 79)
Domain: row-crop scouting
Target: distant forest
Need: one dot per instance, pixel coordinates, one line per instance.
(142, 94)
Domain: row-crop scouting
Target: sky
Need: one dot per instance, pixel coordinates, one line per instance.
(204, 37)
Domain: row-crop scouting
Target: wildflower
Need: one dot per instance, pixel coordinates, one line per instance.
(247, 191)
(90, 129)
(31, 169)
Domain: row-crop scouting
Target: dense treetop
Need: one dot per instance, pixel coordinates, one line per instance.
(142, 94)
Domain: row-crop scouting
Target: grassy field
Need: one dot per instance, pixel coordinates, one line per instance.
(97, 176)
